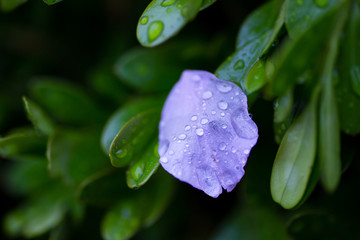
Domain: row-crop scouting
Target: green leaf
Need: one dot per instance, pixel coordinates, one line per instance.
(76, 155)
(133, 137)
(301, 15)
(143, 168)
(103, 188)
(51, 2)
(23, 144)
(38, 117)
(38, 215)
(255, 78)
(295, 158)
(9, 5)
(122, 116)
(282, 114)
(298, 56)
(259, 22)
(237, 66)
(150, 70)
(162, 19)
(206, 4)
(65, 102)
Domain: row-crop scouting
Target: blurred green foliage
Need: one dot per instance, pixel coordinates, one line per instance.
(88, 166)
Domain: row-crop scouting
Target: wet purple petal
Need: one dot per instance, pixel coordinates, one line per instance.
(206, 133)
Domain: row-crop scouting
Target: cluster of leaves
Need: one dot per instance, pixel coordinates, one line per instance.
(79, 155)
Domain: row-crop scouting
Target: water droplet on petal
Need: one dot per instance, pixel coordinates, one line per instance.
(240, 64)
(224, 126)
(163, 147)
(223, 87)
(222, 146)
(223, 105)
(182, 136)
(233, 150)
(194, 118)
(222, 114)
(207, 95)
(246, 151)
(121, 153)
(213, 112)
(171, 152)
(154, 30)
(196, 78)
(164, 159)
(204, 121)
(187, 128)
(199, 131)
(144, 20)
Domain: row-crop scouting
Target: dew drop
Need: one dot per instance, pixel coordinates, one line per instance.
(196, 78)
(199, 131)
(207, 95)
(171, 152)
(182, 136)
(164, 159)
(163, 147)
(213, 112)
(144, 20)
(187, 128)
(222, 114)
(223, 105)
(223, 87)
(222, 146)
(224, 126)
(246, 151)
(204, 121)
(194, 118)
(166, 3)
(121, 153)
(233, 150)
(154, 30)
(240, 64)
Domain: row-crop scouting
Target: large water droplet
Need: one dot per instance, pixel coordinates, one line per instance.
(182, 136)
(243, 125)
(222, 146)
(154, 30)
(199, 131)
(121, 153)
(166, 3)
(223, 105)
(240, 64)
(223, 87)
(207, 95)
(204, 121)
(164, 159)
(144, 20)
(163, 147)
(321, 3)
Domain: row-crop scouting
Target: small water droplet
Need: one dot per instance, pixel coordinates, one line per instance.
(321, 3)
(154, 30)
(246, 151)
(213, 112)
(233, 150)
(237, 93)
(179, 173)
(187, 145)
(164, 159)
(207, 95)
(174, 138)
(223, 87)
(182, 136)
(166, 3)
(194, 118)
(204, 121)
(121, 153)
(144, 20)
(224, 126)
(171, 152)
(196, 78)
(222, 146)
(223, 105)
(222, 114)
(187, 128)
(199, 131)
(163, 147)
(240, 64)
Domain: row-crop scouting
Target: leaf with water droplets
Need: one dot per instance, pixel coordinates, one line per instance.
(206, 4)
(133, 137)
(295, 158)
(256, 77)
(206, 133)
(162, 19)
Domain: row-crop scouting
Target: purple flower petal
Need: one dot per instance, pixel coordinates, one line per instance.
(206, 133)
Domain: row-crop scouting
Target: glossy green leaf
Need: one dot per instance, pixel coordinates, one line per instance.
(301, 15)
(206, 4)
(76, 155)
(162, 19)
(65, 102)
(255, 79)
(133, 137)
(103, 188)
(150, 70)
(38, 117)
(143, 168)
(9, 5)
(282, 114)
(24, 144)
(122, 116)
(258, 23)
(298, 56)
(237, 66)
(51, 2)
(295, 158)
(39, 215)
